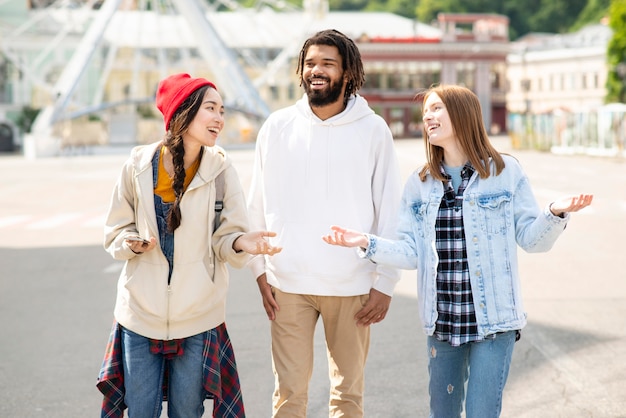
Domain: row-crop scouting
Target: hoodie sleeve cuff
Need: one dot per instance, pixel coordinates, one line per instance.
(257, 266)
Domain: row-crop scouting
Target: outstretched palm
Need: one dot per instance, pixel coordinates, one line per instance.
(571, 204)
(345, 237)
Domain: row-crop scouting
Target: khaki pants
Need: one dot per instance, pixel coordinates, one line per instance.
(292, 353)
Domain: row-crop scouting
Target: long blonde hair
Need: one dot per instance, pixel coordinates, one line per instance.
(467, 123)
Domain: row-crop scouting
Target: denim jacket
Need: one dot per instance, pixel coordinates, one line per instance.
(499, 213)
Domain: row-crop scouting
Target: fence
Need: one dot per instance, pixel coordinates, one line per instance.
(601, 132)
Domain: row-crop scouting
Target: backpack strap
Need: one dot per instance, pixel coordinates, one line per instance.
(219, 199)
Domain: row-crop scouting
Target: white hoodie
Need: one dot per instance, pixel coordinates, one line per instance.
(310, 174)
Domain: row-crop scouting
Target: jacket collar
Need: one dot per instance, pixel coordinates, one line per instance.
(214, 161)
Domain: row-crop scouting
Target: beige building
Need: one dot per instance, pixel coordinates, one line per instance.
(553, 71)
(556, 95)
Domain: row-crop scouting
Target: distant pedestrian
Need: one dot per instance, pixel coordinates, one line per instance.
(462, 216)
(169, 340)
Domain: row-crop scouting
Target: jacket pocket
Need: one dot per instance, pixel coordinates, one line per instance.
(146, 288)
(420, 210)
(494, 212)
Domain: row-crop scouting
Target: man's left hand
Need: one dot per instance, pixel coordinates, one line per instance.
(374, 310)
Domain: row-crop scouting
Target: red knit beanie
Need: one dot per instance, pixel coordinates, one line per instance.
(173, 91)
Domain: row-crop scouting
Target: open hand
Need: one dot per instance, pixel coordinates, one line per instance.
(345, 237)
(255, 243)
(570, 204)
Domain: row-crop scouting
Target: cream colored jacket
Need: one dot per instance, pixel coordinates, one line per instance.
(194, 301)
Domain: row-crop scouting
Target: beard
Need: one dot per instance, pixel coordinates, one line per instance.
(319, 98)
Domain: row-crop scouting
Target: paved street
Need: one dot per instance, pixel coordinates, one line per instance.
(57, 289)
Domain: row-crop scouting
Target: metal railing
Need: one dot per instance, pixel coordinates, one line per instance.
(601, 132)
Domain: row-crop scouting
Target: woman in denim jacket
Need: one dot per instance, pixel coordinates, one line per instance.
(462, 216)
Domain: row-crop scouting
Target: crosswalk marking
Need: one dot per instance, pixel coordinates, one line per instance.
(87, 219)
(13, 220)
(95, 222)
(54, 221)
(95, 219)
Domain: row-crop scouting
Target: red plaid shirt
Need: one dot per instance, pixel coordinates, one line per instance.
(221, 380)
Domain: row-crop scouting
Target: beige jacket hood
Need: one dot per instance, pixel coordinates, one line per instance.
(194, 300)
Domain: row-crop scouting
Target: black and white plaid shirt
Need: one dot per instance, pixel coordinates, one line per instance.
(456, 321)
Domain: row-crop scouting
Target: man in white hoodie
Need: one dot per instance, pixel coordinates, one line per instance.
(327, 160)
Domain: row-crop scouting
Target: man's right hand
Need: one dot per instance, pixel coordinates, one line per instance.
(269, 303)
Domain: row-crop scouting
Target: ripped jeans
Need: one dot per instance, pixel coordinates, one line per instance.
(483, 366)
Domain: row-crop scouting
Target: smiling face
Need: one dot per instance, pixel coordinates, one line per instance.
(208, 122)
(323, 76)
(437, 122)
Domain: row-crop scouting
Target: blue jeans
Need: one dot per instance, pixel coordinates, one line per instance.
(143, 378)
(483, 366)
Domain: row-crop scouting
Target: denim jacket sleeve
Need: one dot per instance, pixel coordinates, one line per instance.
(415, 211)
(536, 230)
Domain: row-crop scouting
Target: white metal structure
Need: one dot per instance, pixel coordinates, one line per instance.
(94, 36)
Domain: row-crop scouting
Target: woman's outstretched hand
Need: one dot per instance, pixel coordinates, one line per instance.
(570, 204)
(255, 243)
(345, 237)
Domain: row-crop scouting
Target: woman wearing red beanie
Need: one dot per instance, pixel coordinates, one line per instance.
(169, 340)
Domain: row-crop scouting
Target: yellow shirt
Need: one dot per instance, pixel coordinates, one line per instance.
(164, 181)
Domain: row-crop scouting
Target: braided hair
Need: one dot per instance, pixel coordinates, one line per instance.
(350, 58)
(174, 142)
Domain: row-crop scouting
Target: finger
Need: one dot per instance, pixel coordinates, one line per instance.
(269, 311)
(363, 313)
(339, 238)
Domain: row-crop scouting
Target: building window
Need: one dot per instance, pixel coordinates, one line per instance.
(398, 81)
(372, 81)
(572, 81)
(498, 76)
(409, 75)
(274, 93)
(551, 82)
(291, 91)
(525, 84)
(465, 74)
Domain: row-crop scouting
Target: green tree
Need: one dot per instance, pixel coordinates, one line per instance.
(347, 5)
(404, 8)
(26, 118)
(616, 53)
(594, 11)
(552, 16)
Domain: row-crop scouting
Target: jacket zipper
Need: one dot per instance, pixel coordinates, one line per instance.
(167, 324)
